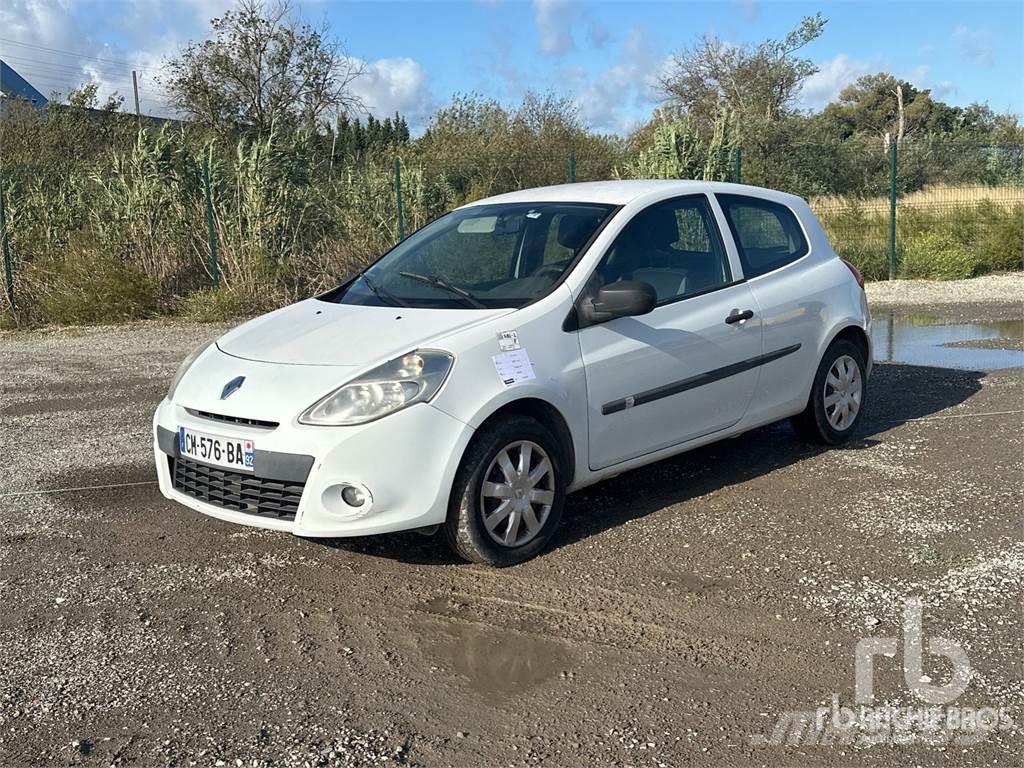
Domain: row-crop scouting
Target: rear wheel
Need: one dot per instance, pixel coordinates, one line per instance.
(508, 494)
(837, 398)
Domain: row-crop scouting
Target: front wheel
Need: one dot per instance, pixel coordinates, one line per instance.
(837, 399)
(508, 494)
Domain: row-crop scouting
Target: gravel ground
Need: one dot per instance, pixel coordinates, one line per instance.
(681, 610)
(981, 298)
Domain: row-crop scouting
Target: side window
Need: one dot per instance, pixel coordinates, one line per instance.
(674, 245)
(554, 251)
(767, 234)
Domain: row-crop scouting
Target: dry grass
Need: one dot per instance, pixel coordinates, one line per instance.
(938, 196)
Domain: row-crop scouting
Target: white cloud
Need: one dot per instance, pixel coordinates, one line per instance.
(974, 45)
(832, 76)
(553, 19)
(157, 30)
(840, 71)
(618, 98)
(394, 85)
(54, 55)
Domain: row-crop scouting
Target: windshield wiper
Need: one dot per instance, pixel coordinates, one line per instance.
(382, 294)
(439, 282)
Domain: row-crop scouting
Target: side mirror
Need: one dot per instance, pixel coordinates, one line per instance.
(624, 298)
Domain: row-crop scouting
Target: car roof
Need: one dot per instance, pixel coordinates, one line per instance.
(624, 192)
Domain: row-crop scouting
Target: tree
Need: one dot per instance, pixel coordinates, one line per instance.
(373, 131)
(882, 105)
(401, 129)
(86, 97)
(262, 68)
(481, 147)
(754, 82)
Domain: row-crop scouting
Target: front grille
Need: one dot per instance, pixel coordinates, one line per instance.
(236, 491)
(234, 419)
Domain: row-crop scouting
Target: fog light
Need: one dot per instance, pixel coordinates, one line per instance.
(354, 497)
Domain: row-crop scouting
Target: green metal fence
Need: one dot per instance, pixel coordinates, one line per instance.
(924, 209)
(228, 218)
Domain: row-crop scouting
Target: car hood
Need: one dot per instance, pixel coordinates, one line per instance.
(315, 332)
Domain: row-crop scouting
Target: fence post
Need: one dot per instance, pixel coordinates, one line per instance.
(737, 165)
(892, 210)
(211, 228)
(572, 168)
(398, 199)
(6, 248)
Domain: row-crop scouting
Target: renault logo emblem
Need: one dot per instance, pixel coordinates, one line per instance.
(231, 387)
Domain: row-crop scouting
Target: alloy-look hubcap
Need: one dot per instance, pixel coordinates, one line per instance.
(843, 392)
(517, 493)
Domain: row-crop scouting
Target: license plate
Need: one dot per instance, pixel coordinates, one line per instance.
(227, 452)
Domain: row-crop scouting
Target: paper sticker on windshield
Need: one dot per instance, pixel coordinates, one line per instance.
(513, 367)
(508, 340)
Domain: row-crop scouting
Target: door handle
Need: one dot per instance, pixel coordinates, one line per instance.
(739, 317)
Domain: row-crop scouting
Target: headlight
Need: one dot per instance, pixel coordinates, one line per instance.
(185, 365)
(412, 378)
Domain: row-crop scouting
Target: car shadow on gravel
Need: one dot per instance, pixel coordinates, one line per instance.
(898, 393)
(406, 547)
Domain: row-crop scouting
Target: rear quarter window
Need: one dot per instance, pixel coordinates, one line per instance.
(767, 234)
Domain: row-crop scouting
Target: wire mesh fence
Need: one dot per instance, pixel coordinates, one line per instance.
(932, 207)
(160, 225)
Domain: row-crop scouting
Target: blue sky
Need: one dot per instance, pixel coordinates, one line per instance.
(606, 56)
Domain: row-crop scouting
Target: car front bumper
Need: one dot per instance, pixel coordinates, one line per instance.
(406, 460)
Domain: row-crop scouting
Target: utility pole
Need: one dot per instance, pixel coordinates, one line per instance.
(135, 85)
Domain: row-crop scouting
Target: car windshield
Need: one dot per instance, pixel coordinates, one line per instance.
(484, 256)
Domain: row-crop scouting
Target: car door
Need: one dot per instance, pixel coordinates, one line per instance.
(787, 285)
(689, 367)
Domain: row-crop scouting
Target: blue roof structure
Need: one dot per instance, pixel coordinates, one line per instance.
(13, 85)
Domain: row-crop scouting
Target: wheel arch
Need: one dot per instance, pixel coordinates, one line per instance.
(849, 329)
(854, 333)
(547, 414)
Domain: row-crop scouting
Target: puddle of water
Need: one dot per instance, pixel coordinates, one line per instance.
(499, 663)
(920, 340)
(496, 662)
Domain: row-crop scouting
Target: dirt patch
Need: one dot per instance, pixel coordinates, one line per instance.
(79, 404)
(106, 475)
(78, 385)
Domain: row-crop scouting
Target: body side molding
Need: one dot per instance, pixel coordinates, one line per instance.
(700, 380)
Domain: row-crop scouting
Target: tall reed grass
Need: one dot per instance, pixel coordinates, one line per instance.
(111, 224)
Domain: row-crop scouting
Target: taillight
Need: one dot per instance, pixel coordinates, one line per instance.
(856, 273)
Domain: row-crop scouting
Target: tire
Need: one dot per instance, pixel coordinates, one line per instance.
(473, 507)
(819, 423)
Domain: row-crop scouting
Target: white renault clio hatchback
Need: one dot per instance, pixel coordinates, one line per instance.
(515, 350)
